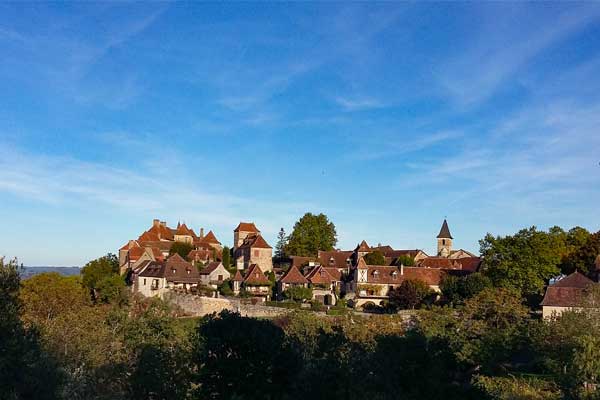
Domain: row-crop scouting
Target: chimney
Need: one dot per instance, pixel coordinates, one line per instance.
(201, 233)
(401, 268)
(164, 223)
(155, 222)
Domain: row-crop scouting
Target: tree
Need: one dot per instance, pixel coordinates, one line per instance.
(375, 258)
(409, 294)
(298, 293)
(405, 260)
(524, 261)
(226, 258)
(583, 257)
(181, 248)
(231, 351)
(456, 290)
(26, 371)
(311, 233)
(281, 244)
(96, 270)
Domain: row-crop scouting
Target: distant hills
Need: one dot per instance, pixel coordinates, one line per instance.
(67, 271)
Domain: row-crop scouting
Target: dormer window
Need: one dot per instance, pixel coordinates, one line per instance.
(376, 274)
(394, 275)
(331, 261)
(174, 270)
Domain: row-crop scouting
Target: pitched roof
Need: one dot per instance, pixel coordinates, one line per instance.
(238, 276)
(444, 231)
(246, 227)
(210, 238)
(293, 275)
(387, 275)
(183, 230)
(335, 258)
(335, 273)
(298, 261)
(567, 292)
(255, 276)
(465, 263)
(319, 275)
(149, 237)
(199, 255)
(153, 269)
(162, 232)
(210, 267)
(162, 245)
(179, 270)
(256, 241)
(129, 245)
(363, 246)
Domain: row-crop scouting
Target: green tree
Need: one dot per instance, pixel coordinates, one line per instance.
(26, 371)
(112, 289)
(405, 260)
(456, 290)
(281, 244)
(182, 248)
(311, 233)
(409, 294)
(375, 258)
(524, 261)
(242, 358)
(298, 293)
(583, 257)
(96, 270)
(226, 257)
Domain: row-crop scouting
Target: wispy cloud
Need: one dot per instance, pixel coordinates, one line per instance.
(357, 104)
(479, 71)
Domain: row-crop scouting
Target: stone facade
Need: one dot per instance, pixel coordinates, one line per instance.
(199, 306)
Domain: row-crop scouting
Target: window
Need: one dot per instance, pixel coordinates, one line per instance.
(256, 253)
(444, 242)
(331, 261)
(144, 281)
(220, 278)
(394, 275)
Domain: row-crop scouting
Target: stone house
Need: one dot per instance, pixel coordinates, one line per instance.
(256, 283)
(251, 248)
(150, 280)
(323, 282)
(214, 274)
(565, 294)
(292, 278)
(237, 281)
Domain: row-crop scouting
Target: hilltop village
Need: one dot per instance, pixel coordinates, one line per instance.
(154, 269)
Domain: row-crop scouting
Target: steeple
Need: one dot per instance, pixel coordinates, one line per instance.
(445, 231)
(444, 240)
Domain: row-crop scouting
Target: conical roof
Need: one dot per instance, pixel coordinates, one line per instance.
(445, 232)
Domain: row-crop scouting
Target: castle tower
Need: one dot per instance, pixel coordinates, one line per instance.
(444, 241)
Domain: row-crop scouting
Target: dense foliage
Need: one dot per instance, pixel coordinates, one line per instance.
(181, 248)
(375, 258)
(311, 233)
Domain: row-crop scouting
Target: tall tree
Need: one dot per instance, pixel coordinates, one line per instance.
(375, 258)
(311, 233)
(583, 257)
(182, 248)
(26, 371)
(226, 257)
(524, 261)
(281, 244)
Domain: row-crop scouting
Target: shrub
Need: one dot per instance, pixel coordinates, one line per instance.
(298, 293)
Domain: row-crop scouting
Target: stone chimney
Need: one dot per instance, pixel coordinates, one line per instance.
(201, 233)
(164, 223)
(155, 222)
(401, 268)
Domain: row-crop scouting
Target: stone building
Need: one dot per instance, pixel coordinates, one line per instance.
(444, 241)
(565, 294)
(214, 274)
(256, 283)
(251, 248)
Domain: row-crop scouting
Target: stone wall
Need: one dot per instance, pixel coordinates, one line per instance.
(199, 306)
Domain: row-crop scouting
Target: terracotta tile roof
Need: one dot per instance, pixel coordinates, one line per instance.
(129, 245)
(255, 241)
(238, 276)
(246, 227)
(183, 230)
(444, 231)
(162, 232)
(199, 255)
(397, 253)
(255, 276)
(210, 238)
(149, 237)
(470, 263)
(293, 275)
(299, 261)
(210, 267)
(567, 292)
(135, 253)
(363, 246)
(179, 270)
(162, 245)
(335, 258)
(393, 275)
(319, 275)
(439, 262)
(335, 273)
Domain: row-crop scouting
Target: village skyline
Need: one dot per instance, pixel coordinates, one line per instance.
(385, 117)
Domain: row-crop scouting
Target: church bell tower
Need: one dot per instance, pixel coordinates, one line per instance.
(444, 241)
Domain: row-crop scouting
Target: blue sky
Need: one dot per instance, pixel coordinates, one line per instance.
(386, 117)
